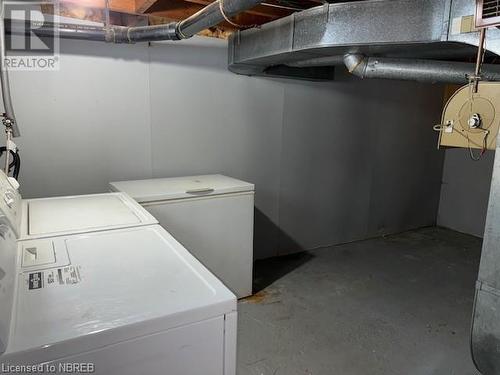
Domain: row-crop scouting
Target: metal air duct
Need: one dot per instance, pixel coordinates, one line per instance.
(417, 70)
(310, 43)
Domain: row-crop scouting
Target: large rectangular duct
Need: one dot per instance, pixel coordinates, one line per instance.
(414, 29)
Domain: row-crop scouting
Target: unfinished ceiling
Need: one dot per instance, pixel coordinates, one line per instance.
(161, 11)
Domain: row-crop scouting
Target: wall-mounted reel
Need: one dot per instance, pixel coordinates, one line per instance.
(471, 116)
(472, 119)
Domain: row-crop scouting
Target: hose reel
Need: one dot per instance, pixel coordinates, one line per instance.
(471, 119)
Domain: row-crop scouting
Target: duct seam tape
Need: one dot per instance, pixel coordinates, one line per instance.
(460, 25)
(456, 26)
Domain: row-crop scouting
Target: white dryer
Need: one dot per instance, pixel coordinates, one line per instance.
(94, 300)
(57, 216)
(124, 301)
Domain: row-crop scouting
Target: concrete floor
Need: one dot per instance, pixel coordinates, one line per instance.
(397, 305)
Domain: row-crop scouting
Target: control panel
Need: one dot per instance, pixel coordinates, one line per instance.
(39, 254)
(42, 254)
(10, 202)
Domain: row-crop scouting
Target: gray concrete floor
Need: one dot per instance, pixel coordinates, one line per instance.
(396, 305)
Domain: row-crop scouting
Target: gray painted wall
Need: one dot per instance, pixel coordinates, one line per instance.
(86, 124)
(332, 162)
(359, 160)
(465, 191)
(208, 120)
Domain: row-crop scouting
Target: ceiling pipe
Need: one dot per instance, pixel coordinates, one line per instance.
(211, 15)
(61, 30)
(207, 17)
(417, 70)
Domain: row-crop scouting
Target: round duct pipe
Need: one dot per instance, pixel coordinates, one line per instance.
(417, 70)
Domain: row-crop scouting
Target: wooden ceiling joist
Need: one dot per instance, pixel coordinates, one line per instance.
(259, 10)
(126, 6)
(141, 6)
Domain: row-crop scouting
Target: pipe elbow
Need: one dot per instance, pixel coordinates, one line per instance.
(120, 34)
(356, 64)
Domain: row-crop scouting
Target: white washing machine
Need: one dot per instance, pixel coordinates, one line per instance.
(211, 215)
(49, 217)
(124, 301)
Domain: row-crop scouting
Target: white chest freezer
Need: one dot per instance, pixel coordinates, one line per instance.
(211, 215)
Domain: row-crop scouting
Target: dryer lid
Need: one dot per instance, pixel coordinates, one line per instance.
(120, 285)
(161, 189)
(78, 214)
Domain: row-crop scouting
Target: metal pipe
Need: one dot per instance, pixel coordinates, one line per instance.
(417, 70)
(113, 34)
(207, 17)
(63, 30)
(213, 14)
(120, 34)
(9, 117)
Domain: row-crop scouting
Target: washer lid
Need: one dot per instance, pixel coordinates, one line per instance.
(78, 214)
(159, 189)
(120, 285)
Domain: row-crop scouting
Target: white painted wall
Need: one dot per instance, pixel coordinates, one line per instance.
(332, 162)
(208, 120)
(86, 124)
(359, 160)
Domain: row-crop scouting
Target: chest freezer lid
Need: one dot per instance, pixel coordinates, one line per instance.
(83, 213)
(160, 189)
(131, 283)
